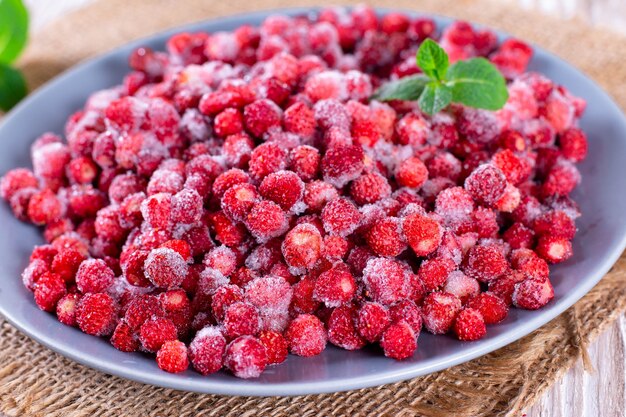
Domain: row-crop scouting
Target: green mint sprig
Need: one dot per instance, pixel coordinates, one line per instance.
(474, 82)
(13, 37)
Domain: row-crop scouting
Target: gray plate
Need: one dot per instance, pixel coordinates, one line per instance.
(598, 244)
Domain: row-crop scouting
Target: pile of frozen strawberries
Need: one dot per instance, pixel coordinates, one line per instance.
(239, 196)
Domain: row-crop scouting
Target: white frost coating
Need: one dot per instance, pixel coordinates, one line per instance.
(412, 208)
(274, 320)
(179, 230)
(165, 180)
(240, 361)
(222, 46)
(387, 280)
(194, 125)
(497, 243)
(270, 294)
(461, 285)
(28, 275)
(168, 259)
(388, 154)
(41, 156)
(207, 331)
(332, 78)
(145, 210)
(211, 280)
(454, 205)
(100, 100)
(221, 253)
(121, 286)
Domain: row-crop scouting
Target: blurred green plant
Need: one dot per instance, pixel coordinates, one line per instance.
(13, 37)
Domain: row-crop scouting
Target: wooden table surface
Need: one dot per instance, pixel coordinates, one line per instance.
(601, 392)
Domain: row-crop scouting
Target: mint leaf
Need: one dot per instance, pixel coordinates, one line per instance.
(434, 98)
(432, 59)
(13, 29)
(407, 88)
(477, 83)
(12, 87)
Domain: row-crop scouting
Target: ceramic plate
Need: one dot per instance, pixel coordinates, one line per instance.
(598, 244)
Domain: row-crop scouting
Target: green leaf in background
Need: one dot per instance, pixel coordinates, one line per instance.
(13, 29)
(434, 98)
(12, 87)
(432, 59)
(477, 83)
(407, 88)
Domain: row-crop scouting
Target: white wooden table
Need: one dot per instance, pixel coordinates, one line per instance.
(600, 393)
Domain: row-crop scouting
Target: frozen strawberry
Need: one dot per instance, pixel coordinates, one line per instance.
(156, 331)
(241, 318)
(124, 338)
(469, 325)
(305, 160)
(386, 280)
(94, 275)
(342, 164)
(340, 217)
(317, 194)
(412, 130)
(439, 311)
(44, 207)
(260, 116)
(408, 311)
(486, 184)
(266, 220)
(555, 223)
(554, 249)
(485, 263)
(399, 341)
(66, 263)
(284, 188)
(411, 173)
(306, 336)
(172, 357)
(519, 236)
(514, 168)
(528, 262)
(245, 357)
(206, 350)
(300, 119)
(335, 287)
(491, 307)
(532, 294)
(573, 144)
(461, 286)
(16, 180)
(369, 188)
(385, 237)
(238, 200)
(342, 331)
(434, 272)
(372, 320)
(422, 233)
(275, 346)
(561, 179)
(49, 289)
(96, 314)
(165, 268)
(228, 179)
(302, 246)
(267, 158)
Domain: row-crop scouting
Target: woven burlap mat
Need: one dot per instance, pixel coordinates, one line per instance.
(34, 381)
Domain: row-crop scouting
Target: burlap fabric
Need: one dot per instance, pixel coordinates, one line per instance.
(34, 381)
